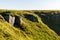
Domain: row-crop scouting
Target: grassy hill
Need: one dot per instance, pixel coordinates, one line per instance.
(28, 30)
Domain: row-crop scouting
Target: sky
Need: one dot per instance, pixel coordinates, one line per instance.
(30, 4)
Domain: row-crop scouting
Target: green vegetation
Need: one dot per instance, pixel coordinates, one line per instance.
(32, 30)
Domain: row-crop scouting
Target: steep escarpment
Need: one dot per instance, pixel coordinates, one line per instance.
(31, 27)
(52, 19)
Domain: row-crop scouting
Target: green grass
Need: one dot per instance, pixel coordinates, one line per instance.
(33, 30)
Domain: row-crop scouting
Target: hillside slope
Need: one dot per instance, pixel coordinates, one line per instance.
(28, 30)
(52, 19)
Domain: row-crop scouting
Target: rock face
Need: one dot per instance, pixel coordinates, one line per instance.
(5, 15)
(31, 17)
(11, 20)
(6, 18)
(17, 21)
(52, 19)
(56, 18)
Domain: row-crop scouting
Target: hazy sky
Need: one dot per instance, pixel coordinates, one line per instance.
(30, 4)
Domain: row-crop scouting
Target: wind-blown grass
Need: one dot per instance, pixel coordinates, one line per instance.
(32, 30)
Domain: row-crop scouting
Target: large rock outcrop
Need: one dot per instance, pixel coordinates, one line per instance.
(52, 19)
